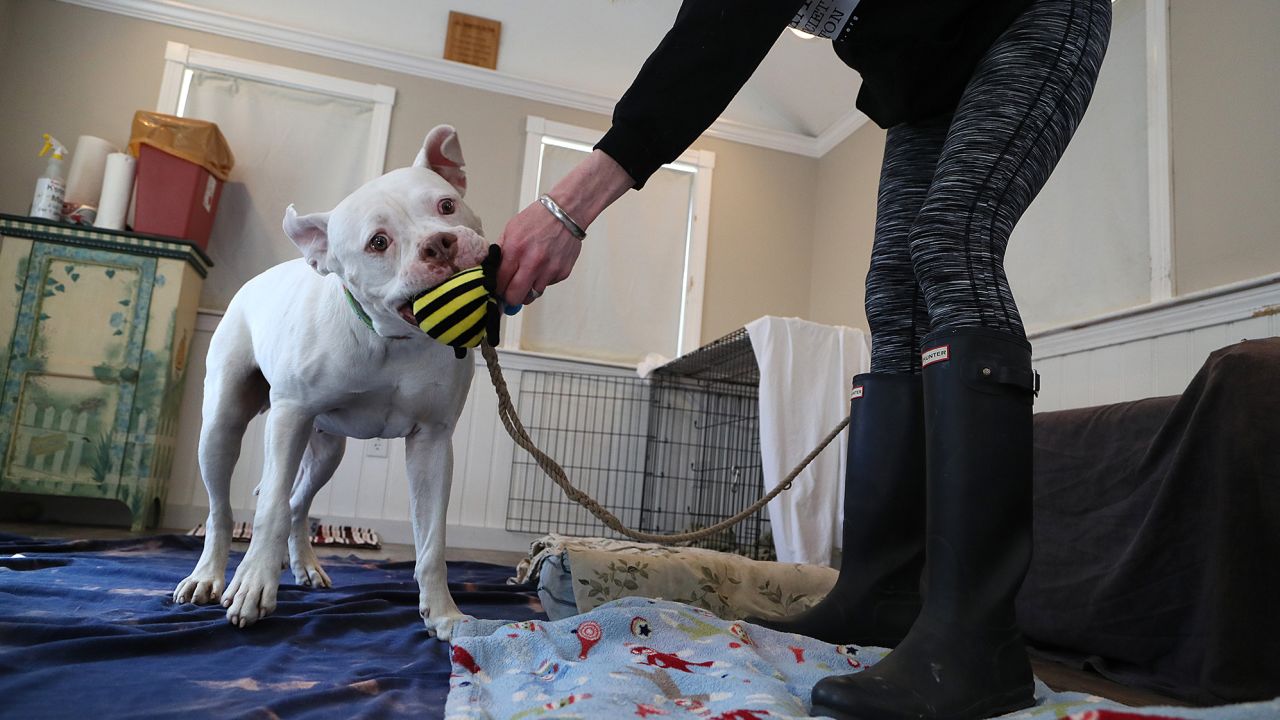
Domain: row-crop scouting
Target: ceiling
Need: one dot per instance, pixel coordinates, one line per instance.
(586, 48)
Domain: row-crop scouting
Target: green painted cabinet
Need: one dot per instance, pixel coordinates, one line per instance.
(98, 326)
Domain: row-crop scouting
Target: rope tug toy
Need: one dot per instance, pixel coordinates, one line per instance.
(463, 310)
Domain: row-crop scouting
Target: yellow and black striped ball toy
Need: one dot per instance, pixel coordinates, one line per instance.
(463, 310)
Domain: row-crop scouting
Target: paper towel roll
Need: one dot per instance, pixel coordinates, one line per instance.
(117, 187)
(88, 164)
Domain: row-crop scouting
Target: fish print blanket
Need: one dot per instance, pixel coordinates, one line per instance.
(642, 658)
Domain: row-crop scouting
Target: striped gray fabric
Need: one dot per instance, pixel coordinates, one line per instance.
(952, 189)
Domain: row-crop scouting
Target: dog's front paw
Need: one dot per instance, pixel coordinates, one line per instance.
(202, 587)
(251, 595)
(306, 566)
(442, 625)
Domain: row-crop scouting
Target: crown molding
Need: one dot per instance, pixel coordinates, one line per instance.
(838, 131)
(788, 142)
(217, 22)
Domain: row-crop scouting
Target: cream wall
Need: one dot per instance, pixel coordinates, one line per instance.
(762, 225)
(6, 23)
(848, 176)
(788, 235)
(109, 65)
(1226, 164)
(1225, 100)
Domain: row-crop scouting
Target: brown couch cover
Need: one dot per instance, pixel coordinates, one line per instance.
(1157, 534)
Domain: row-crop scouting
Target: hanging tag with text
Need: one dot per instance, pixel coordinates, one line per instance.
(823, 18)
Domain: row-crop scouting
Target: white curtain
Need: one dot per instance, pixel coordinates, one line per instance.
(624, 298)
(291, 146)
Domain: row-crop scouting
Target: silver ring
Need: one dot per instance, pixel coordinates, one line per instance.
(533, 295)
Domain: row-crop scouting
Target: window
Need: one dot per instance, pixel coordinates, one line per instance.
(637, 286)
(298, 137)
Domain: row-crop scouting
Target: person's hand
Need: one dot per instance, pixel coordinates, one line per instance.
(537, 250)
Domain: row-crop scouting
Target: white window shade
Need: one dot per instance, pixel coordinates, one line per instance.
(624, 297)
(298, 138)
(291, 146)
(637, 286)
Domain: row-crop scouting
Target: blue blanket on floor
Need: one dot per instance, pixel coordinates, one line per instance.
(636, 657)
(88, 629)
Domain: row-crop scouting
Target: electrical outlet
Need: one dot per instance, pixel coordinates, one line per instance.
(375, 447)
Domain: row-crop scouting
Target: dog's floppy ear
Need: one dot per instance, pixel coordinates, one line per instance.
(311, 234)
(442, 153)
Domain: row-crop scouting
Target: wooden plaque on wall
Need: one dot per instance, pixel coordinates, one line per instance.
(472, 40)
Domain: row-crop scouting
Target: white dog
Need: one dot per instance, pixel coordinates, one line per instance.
(293, 341)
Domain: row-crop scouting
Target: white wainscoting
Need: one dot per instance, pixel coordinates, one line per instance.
(1138, 353)
(372, 491)
(1150, 351)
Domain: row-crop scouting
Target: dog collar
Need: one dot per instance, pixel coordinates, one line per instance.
(355, 305)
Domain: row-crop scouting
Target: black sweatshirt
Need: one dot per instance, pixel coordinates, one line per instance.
(914, 56)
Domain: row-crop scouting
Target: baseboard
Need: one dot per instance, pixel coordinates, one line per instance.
(483, 538)
(182, 517)
(470, 537)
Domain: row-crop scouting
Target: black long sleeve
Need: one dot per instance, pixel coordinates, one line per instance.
(703, 61)
(915, 58)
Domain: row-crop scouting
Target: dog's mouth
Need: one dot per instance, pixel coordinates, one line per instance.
(406, 308)
(406, 312)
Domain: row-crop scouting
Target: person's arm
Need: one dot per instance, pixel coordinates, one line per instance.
(538, 251)
(703, 61)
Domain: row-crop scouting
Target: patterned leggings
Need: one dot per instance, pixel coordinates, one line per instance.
(952, 189)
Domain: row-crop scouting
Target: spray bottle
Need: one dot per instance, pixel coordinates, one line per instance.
(51, 186)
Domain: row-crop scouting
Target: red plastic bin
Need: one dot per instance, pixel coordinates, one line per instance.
(174, 197)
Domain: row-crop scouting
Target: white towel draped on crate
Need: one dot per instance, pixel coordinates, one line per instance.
(805, 369)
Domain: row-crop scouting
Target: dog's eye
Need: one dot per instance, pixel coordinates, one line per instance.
(447, 206)
(379, 243)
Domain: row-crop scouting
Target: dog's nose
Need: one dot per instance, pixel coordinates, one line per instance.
(441, 247)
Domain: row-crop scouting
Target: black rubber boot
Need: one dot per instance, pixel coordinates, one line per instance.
(877, 596)
(964, 658)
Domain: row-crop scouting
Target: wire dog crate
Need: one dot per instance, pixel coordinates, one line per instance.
(679, 451)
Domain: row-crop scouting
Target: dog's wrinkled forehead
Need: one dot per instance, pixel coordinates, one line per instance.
(410, 193)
